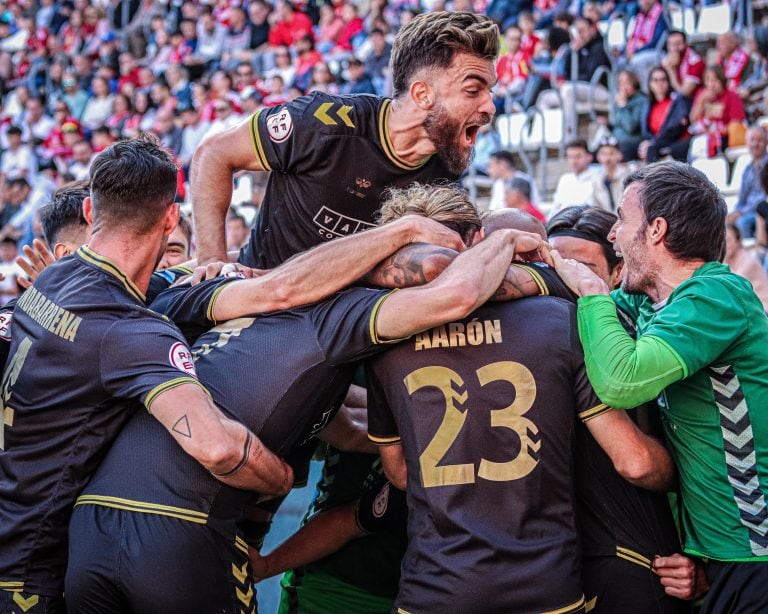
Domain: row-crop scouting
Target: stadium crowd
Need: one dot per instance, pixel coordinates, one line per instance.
(485, 463)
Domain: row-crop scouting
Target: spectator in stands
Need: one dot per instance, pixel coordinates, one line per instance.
(358, 81)
(512, 71)
(501, 168)
(487, 142)
(122, 111)
(9, 270)
(529, 41)
(517, 195)
(506, 12)
(36, 125)
(237, 39)
(82, 156)
(193, 131)
(288, 25)
(283, 65)
(177, 78)
(210, 38)
(258, 15)
(648, 32)
(761, 215)
(608, 186)
(350, 31)
(323, 80)
(685, 67)
(73, 95)
(628, 115)
(237, 231)
(665, 119)
(751, 89)
(714, 109)
(588, 44)
(733, 59)
(99, 105)
(18, 161)
(306, 58)
(751, 192)
(226, 117)
(744, 263)
(576, 187)
(168, 131)
(377, 61)
(328, 28)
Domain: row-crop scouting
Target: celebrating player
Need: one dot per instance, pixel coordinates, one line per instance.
(334, 156)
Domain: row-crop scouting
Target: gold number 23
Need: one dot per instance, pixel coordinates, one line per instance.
(511, 417)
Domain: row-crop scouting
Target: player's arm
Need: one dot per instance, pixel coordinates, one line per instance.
(393, 461)
(324, 534)
(637, 457)
(468, 282)
(416, 265)
(213, 164)
(348, 431)
(226, 448)
(327, 268)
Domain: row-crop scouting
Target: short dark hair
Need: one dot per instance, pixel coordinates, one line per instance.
(577, 144)
(432, 40)
(503, 155)
(14, 130)
(520, 185)
(691, 205)
(588, 223)
(132, 183)
(678, 33)
(65, 211)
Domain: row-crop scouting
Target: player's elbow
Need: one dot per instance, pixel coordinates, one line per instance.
(635, 466)
(210, 152)
(220, 457)
(434, 264)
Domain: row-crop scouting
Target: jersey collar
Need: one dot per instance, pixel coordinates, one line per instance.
(386, 142)
(87, 254)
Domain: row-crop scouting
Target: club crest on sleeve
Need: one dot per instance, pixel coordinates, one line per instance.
(181, 358)
(5, 325)
(380, 502)
(279, 126)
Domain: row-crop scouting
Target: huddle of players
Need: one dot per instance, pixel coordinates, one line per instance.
(164, 523)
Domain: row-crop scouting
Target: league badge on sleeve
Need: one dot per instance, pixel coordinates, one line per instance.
(6, 319)
(181, 358)
(279, 126)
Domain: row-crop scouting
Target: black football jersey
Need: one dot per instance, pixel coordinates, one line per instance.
(85, 353)
(485, 409)
(331, 160)
(283, 375)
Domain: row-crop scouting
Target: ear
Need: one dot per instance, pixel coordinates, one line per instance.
(88, 210)
(477, 236)
(657, 230)
(615, 275)
(60, 250)
(422, 95)
(171, 219)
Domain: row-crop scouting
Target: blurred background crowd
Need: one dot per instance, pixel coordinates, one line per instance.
(586, 90)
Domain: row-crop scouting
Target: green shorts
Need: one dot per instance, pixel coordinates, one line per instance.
(319, 593)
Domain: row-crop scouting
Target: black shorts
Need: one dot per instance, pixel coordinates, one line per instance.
(29, 603)
(612, 584)
(122, 561)
(736, 587)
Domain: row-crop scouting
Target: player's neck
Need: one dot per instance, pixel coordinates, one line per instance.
(671, 275)
(136, 257)
(405, 127)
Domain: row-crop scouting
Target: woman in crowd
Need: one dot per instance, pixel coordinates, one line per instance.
(665, 119)
(99, 105)
(715, 109)
(323, 80)
(627, 123)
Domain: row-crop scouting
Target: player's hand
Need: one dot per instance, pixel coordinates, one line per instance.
(259, 564)
(425, 230)
(213, 269)
(531, 247)
(578, 276)
(680, 576)
(34, 260)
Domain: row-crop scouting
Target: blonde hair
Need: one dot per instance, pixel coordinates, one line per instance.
(447, 205)
(432, 40)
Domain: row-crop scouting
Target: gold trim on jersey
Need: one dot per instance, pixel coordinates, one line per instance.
(258, 147)
(374, 316)
(209, 309)
(182, 268)
(383, 440)
(143, 507)
(11, 585)
(574, 607)
(386, 142)
(241, 544)
(87, 254)
(173, 383)
(633, 557)
(536, 276)
(591, 604)
(596, 411)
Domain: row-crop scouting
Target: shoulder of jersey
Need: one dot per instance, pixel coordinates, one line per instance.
(341, 114)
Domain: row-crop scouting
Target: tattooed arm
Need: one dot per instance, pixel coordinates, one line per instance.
(419, 263)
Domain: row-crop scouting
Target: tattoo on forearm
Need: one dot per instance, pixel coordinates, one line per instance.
(405, 268)
(517, 284)
(182, 427)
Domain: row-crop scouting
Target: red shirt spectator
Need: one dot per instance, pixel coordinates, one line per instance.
(290, 27)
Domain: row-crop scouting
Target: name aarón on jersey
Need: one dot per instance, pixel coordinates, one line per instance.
(459, 334)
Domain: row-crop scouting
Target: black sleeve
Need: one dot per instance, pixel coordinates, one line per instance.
(382, 510)
(162, 280)
(382, 427)
(191, 307)
(548, 280)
